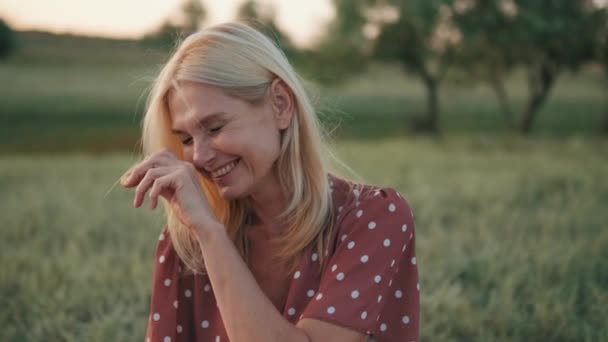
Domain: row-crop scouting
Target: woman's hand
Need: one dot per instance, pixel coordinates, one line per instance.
(176, 180)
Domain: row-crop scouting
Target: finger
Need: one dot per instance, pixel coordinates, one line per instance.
(162, 184)
(147, 181)
(132, 177)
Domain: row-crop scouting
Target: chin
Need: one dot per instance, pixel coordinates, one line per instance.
(230, 193)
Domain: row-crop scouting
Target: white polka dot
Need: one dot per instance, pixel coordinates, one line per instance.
(331, 310)
(161, 259)
(161, 237)
(390, 283)
(411, 235)
(217, 339)
(167, 282)
(167, 339)
(404, 247)
(404, 228)
(310, 293)
(391, 207)
(359, 213)
(405, 319)
(333, 268)
(364, 259)
(188, 293)
(387, 242)
(393, 263)
(315, 256)
(377, 279)
(291, 311)
(379, 298)
(418, 286)
(296, 275)
(351, 245)
(343, 237)
(364, 315)
(319, 296)
(354, 294)
(206, 288)
(371, 225)
(205, 324)
(340, 209)
(382, 327)
(175, 304)
(413, 260)
(356, 192)
(156, 316)
(340, 276)
(398, 294)
(179, 329)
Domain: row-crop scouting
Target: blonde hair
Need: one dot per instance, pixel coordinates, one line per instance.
(243, 62)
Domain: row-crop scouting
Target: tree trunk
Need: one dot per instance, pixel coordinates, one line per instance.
(498, 85)
(604, 126)
(432, 114)
(541, 79)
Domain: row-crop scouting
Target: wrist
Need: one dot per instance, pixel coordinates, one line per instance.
(206, 231)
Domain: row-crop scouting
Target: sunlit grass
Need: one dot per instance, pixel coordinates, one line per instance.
(511, 233)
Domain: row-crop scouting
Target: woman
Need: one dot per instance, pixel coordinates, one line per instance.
(261, 242)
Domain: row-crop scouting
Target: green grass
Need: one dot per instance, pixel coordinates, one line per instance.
(512, 240)
(58, 107)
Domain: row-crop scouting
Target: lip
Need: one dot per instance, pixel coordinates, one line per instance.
(236, 162)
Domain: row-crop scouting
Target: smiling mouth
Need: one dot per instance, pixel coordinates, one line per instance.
(224, 170)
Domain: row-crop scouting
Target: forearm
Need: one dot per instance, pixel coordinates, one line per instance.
(247, 314)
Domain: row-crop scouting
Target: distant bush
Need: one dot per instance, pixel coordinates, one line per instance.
(7, 39)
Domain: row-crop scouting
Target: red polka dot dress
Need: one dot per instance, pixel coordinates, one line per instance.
(369, 283)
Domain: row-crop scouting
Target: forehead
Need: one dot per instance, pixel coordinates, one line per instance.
(187, 99)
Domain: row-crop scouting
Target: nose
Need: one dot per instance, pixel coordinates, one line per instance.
(203, 153)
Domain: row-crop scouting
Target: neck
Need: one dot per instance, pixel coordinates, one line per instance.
(267, 204)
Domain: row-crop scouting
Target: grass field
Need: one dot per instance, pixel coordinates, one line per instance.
(512, 240)
(512, 231)
(71, 95)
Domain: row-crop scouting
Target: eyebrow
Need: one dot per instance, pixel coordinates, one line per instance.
(204, 121)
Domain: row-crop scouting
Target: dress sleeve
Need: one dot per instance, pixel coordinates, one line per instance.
(162, 320)
(371, 282)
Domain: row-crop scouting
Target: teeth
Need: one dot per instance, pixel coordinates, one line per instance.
(223, 170)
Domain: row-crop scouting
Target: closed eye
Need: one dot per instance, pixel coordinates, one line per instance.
(215, 129)
(187, 141)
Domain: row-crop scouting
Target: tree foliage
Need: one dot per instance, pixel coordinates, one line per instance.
(263, 16)
(7, 40)
(188, 19)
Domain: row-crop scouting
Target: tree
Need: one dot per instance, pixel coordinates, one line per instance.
(7, 40)
(487, 51)
(264, 16)
(192, 14)
(544, 37)
(344, 49)
(421, 36)
(602, 59)
(190, 17)
(552, 36)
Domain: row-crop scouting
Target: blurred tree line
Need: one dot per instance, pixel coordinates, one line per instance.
(484, 39)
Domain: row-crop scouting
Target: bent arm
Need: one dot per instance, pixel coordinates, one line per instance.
(247, 314)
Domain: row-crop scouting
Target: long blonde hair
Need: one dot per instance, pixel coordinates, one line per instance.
(242, 61)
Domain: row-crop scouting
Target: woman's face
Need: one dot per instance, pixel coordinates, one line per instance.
(231, 141)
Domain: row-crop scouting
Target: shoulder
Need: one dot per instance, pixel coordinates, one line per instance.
(368, 205)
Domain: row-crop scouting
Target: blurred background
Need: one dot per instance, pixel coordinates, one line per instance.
(491, 116)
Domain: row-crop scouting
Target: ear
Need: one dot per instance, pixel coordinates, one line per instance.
(282, 102)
